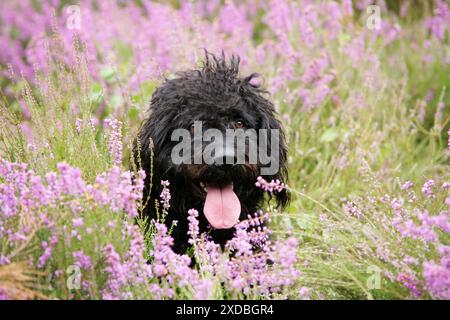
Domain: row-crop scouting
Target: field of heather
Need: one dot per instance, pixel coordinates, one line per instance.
(361, 88)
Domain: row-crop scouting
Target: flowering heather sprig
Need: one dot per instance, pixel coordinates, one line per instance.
(284, 255)
(115, 140)
(426, 230)
(77, 222)
(315, 70)
(48, 250)
(397, 206)
(305, 293)
(165, 195)
(437, 276)
(4, 260)
(258, 232)
(3, 294)
(407, 185)
(130, 271)
(82, 260)
(79, 124)
(210, 256)
(193, 230)
(272, 186)
(117, 275)
(135, 261)
(448, 141)
(427, 188)
(350, 208)
(241, 244)
(409, 281)
(169, 267)
(438, 24)
(249, 270)
(117, 190)
(203, 289)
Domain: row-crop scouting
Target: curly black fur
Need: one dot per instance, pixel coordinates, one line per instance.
(216, 95)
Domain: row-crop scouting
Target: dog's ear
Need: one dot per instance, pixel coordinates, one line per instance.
(268, 122)
(163, 109)
(253, 95)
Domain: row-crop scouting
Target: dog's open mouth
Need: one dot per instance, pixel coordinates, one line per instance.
(222, 207)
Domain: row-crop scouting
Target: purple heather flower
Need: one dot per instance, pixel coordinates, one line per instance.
(193, 230)
(272, 186)
(410, 282)
(78, 123)
(305, 293)
(203, 289)
(437, 279)
(82, 260)
(350, 208)
(4, 260)
(407, 185)
(3, 294)
(77, 222)
(115, 140)
(48, 251)
(427, 188)
(315, 70)
(116, 273)
(448, 142)
(438, 23)
(165, 195)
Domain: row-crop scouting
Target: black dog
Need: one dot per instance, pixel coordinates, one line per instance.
(218, 97)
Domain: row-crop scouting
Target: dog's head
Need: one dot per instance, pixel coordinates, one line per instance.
(214, 133)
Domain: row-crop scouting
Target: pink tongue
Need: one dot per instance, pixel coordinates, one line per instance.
(222, 206)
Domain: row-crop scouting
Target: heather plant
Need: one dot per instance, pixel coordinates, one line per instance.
(365, 103)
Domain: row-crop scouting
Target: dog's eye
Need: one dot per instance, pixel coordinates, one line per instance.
(239, 124)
